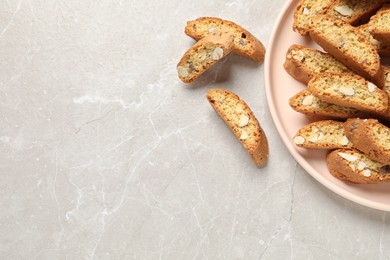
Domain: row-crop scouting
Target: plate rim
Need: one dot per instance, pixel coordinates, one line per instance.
(286, 140)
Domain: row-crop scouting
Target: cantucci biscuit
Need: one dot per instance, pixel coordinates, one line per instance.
(354, 12)
(306, 103)
(303, 63)
(348, 45)
(379, 24)
(349, 91)
(370, 137)
(244, 43)
(241, 120)
(323, 134)
(353, 166)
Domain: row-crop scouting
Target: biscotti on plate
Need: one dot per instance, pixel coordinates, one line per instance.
(354, 12)
(323, 134)
(307, 9)
(353, 166)
(244, 43)
(380, 24)
(302, 63)
(350, 91)
(306, 103)
(370, 137)
(204, 54)
(241, 120)
(348, 45)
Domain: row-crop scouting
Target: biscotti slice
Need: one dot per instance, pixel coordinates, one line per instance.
(353, 166)
(302, 63)
(349, 91)
(323, 134)
(370, 137)
(244, 42)
(348, 45)
(204, 54)
(241, 120)
(380, 24)
(354, 12)
(386, 86)
(306, 9)
(306, 103)
(382, 48)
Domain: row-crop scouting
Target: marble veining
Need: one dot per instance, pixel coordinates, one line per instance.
(105, 154)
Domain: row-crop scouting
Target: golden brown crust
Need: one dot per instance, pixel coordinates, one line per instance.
(370, 137)
(352, 166)
(348, 45)
(241, 120)
(203, 55)
(244, 42)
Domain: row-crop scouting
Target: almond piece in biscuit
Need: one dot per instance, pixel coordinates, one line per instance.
(204, 54)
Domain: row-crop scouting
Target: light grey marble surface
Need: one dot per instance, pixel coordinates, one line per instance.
(105, 154)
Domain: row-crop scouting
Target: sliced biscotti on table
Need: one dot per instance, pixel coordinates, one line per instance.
(306, 103)
(323, 134)
(379, 25)
(307, 9)
(303, 63)
(204, 54)
(354, 12)
(348, 45)
(244, 43)
(370, 137)
(353, 166)
(350, 91)
(241, 120)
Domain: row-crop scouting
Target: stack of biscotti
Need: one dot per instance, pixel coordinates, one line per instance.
(346, 81)
(216, 38)
(369, 159)
(359, 148)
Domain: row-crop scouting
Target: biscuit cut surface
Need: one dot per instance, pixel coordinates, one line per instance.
(370, 137)
(354, 12)
(303, 63)
(350, 91)
(379, 24)
(307, 103)
(324, 134)
(204, 54)
(241, 120)
(244, 42)
(353, 166)
(348, 45)
(307, 9)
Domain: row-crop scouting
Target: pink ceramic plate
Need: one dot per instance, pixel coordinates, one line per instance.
(280, 86)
